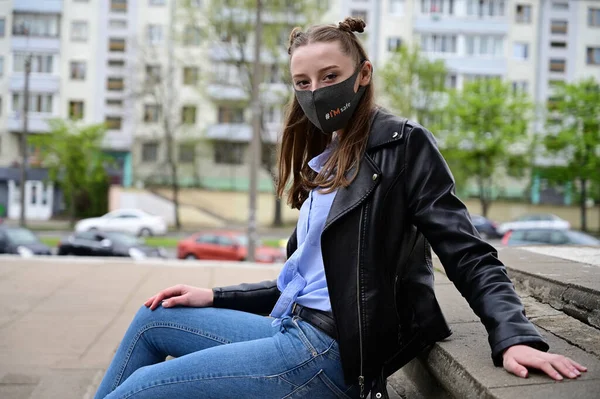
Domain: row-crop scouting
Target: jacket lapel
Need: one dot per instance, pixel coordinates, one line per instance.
(348, 198)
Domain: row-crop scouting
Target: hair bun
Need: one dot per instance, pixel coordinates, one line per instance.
(352, 24)
(296, 32)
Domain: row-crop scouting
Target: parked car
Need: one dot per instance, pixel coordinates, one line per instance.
(535, 221)
(133, 221)
(224, 245)
(485, 227)
(108, 243)
(20, 241)
(548, 237)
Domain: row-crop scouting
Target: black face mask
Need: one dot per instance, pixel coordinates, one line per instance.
(330, 108)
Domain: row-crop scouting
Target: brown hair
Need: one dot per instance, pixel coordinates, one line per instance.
(302, 140)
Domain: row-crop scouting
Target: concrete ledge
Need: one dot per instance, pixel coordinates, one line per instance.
(461, 366)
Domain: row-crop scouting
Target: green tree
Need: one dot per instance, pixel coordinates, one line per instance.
(573, 135)
(413, 85)
(487, 133)
(73, 154)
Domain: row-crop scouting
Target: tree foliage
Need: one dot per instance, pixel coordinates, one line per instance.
(414, 85)
(75, 160)
(486, 133)
(573, 135)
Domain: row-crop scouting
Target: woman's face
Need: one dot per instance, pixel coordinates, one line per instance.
(322, 64)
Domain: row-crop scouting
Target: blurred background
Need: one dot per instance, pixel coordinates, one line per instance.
(166, 113)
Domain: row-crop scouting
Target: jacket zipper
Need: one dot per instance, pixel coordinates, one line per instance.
(361, 378)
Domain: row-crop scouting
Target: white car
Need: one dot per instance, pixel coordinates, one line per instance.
(535, 221)
(132, 221)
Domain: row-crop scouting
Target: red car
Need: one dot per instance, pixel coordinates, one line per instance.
(224, 245)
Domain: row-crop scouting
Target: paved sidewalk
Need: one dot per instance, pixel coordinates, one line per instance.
(62, 318)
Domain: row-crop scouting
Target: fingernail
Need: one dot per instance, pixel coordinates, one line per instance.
(164, 304)
(523, 373)
(559, 377)
(576, 372)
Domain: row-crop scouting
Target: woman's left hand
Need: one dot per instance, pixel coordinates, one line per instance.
(518, 357)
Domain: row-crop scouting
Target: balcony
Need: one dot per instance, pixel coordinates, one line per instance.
(39, 83)
(457, 25)
(50, 44)
(473, 65)
(36, 122)
(42, 7)
(220, 92)
(238, 132)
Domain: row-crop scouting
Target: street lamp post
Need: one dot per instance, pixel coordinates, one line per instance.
(255, 141)
(24, 154)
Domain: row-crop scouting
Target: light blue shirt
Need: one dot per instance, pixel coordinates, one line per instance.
(302, 278)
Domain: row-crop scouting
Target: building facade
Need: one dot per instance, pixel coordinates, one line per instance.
(151, 67)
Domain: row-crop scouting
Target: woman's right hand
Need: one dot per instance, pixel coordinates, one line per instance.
(181, 295)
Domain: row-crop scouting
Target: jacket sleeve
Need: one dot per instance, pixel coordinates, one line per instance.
(259, 298)
(470, 263)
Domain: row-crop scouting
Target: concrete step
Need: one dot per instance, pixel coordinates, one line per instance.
(461, 366)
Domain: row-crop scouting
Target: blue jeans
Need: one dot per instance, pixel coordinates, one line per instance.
(222, 353)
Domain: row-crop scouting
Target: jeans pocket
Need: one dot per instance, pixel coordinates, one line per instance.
(319, 386)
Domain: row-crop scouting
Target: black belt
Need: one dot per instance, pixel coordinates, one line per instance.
(319, 319)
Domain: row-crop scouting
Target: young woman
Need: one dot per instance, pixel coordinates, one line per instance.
(355, 300)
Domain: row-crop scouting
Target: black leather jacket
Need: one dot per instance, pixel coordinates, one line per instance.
(377, 259)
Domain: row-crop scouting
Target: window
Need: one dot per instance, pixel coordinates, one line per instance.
(115, 84)
(484, 45)
(155, 34)
(438, 43)
(196, 3)
(520, 51)
(438, 6)
(593, 55)
(558, 27)
(150, 152)
(396, 7)
(1, 66)
(523, 14)
(79, 31)
(188, 114)
(115, 44)
(151, 113)
(190, 76)
(36, 25)
(117, 24)
(2, 27)
(187, 153)
(227, 152)
(519, 86)
(157, 2)
(76, 109)
(152, 74)
(557, 65)
(38, 102)
(559, 5)
(270, 115)
(114, 103)
(558, 44)
(486, 8)
(191, 36)
(78, 70)
(359, 14)
(394, 43)
(451, 81)
(116, 63)
(594, 17)
(118, 5)
(113, 122)
(230, 115)
(40, 63)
